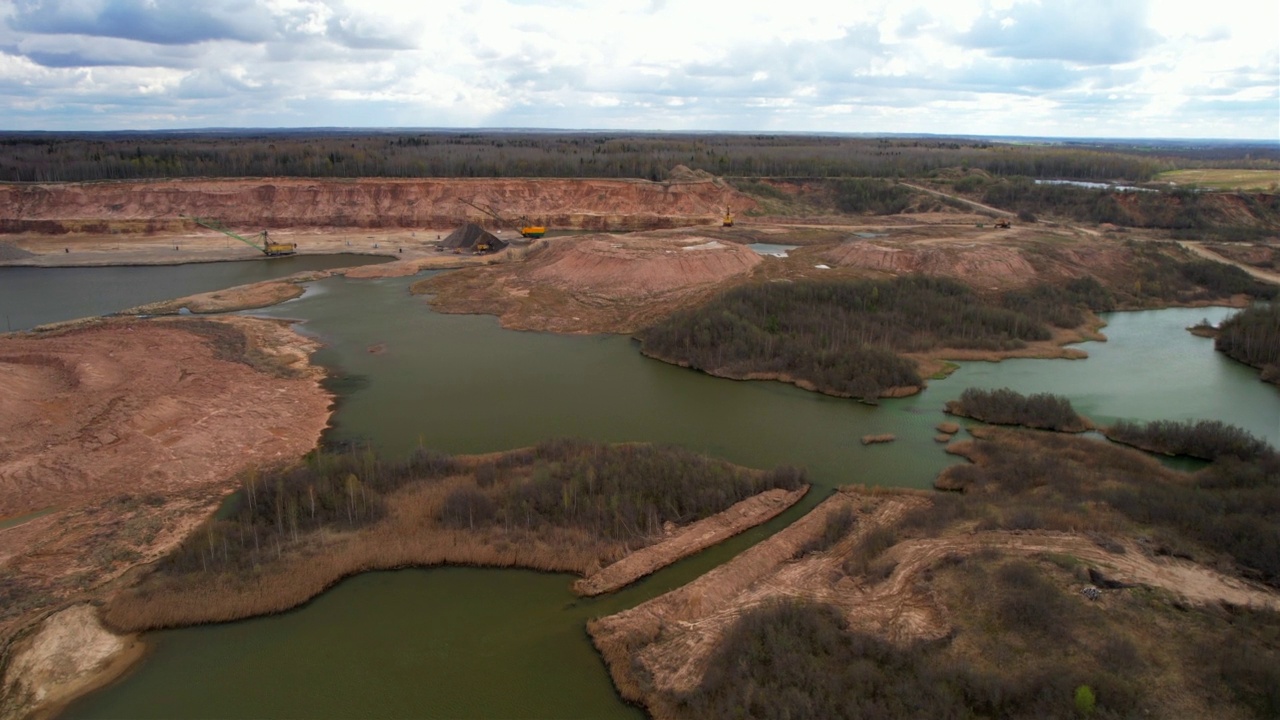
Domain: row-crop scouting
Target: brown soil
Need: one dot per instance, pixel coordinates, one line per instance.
(877, 439)
(659, 649)
(1259, 255)
(241, 297)
(669, 638)
(595, 283)
(683, 542)
(987, 266)
(132, 430)
(155, 206)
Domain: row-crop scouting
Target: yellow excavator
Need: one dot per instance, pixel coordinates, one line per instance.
(526, 228)
(264, 244)
(728, 218)
(529, 230)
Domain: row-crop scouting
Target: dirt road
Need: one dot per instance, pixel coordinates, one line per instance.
(1206, 253)
(971, 203)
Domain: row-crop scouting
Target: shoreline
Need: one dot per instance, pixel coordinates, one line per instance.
(281, 355)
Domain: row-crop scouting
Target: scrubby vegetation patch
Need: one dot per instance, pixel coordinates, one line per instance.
(841, 336)
(1041, 411)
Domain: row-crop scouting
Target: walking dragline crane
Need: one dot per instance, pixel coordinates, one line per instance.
(263, 245)
(526, 228)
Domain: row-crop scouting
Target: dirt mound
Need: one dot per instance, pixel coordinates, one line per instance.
(469, 236)
(131, 432)
(682, 173)
(9, 252)
(637, 269)
(979, 264)
(156, 206)
(594, 283)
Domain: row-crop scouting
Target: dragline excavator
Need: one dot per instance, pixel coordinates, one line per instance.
(526, 228)
(261, 242)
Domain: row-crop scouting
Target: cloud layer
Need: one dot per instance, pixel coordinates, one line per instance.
(1007, 67)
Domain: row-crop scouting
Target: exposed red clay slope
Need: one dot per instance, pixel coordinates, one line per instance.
(595, 204)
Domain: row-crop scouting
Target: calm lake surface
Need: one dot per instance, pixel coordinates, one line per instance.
(31, 296)
(466, 642)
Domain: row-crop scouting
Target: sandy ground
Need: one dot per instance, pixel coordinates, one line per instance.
(66, 655)
(130, 433)
(597, 283)
(685, 541)
(671, 637)
(203, 245)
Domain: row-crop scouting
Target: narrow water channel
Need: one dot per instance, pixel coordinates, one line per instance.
(466, 642)
(31, 296)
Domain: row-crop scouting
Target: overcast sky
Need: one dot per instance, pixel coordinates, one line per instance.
(1099, 68)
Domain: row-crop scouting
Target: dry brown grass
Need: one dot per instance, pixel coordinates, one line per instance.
(1224, 178)
(409, 537)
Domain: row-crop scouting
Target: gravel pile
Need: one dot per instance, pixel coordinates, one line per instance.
(9, 252)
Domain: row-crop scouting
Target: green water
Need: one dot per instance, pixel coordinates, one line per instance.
(31, 296)
(464, 642)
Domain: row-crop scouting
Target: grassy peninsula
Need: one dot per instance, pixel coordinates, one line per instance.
(563, 505)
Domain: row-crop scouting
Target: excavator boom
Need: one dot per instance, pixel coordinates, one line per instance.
(269, 248)
(526, 228)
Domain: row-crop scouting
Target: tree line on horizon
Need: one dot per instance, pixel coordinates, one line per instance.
(77, 157)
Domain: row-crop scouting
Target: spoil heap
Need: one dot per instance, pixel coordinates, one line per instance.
(471, 236)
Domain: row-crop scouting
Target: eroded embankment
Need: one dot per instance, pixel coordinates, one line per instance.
(684, 541)
(132, 432)
(156, 206)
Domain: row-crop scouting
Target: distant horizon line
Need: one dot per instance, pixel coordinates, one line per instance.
(352, 130)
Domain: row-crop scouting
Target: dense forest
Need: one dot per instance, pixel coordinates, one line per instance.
(613, 492)
(1252, 336)
(842, 336)
(620, 492)
(57, 157)
(1041, 411)
(1204, 439)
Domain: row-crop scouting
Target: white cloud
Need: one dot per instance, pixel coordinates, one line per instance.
(966, 66)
